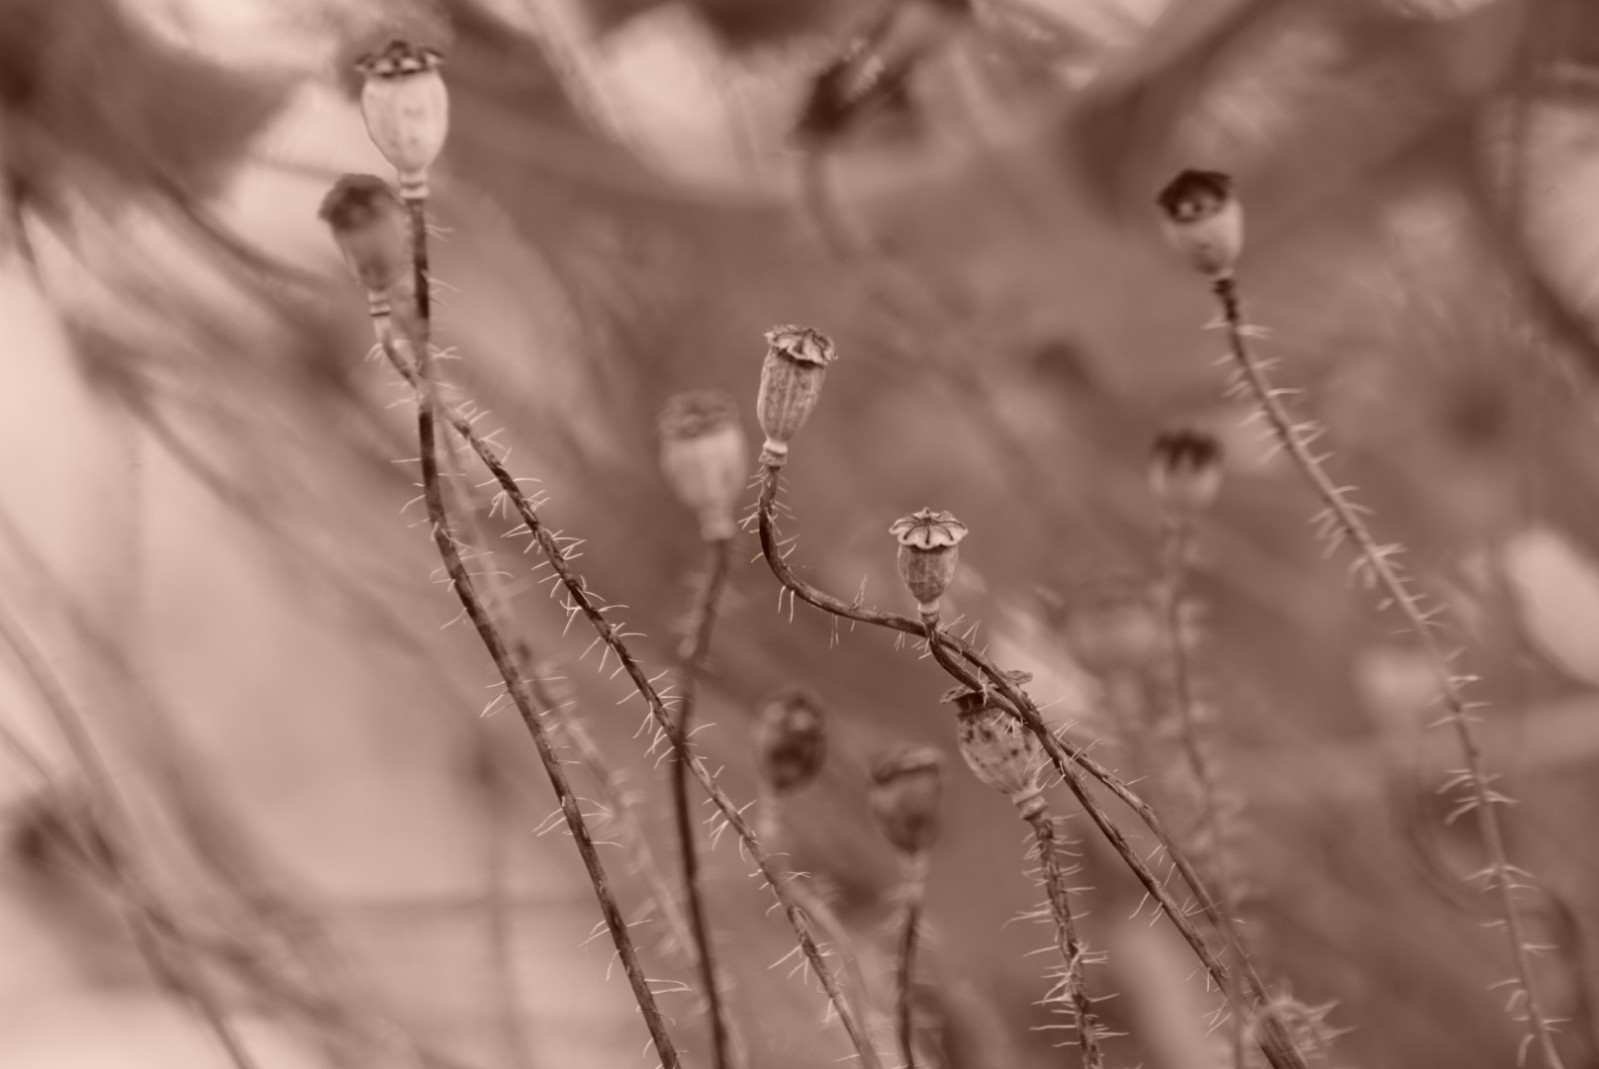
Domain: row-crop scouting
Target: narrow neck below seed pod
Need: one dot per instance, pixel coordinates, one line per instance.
(928, 554)
(790, 740)
(791, 382)
(703, 457)
(371, 227)
(407, 110)
(906, 795)
(1185, 470)
(1204, 221)
(998, 748)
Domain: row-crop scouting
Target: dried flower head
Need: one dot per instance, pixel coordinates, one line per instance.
(371, 228)
(906, 795)
(703, 456)
(791, 382)
(790, 739)
(1204, 221)
(407, 109)
(1185, 469)
(1114, 626)
(928, 553)
(997, 746)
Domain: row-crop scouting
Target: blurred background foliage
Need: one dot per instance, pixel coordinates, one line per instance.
(209, 559)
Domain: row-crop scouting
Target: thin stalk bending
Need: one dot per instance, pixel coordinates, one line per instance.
(1343, 522)
(581, 602)
(702, 624)
(913, 888)
(1067, 941)
(974, 669)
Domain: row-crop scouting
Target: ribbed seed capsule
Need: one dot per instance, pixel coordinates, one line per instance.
(791, 382)
(1185, 470)
(997, 746)
(407, 110)
(1204, 221)
(372, 230)
(906, 796)
(928, 554)
(703, 456)
(790, 739)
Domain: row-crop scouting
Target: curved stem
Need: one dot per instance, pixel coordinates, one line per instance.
(1346, 523)
(702, 623)
(913, 885)
(1067, 940)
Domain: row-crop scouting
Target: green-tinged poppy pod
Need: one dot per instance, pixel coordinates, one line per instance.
(907, 795)
(791, 382)
(929, 550)
(1185, 469)
(407, 110)
(997, 746)
(704, 457)
(1114, 626)
(790, 739)
(373, 232)
(1204, 221)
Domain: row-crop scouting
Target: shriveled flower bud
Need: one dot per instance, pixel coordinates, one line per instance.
(1204, 221)
(906, 794)
(1185, 471)
(791, 381)
(1113, 626)
(790, 739)
(407, 109)
(928, 553)
(703, 457)
(997, 746)
(372, 230)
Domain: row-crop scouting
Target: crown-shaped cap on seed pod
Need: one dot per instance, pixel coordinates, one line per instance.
(703, 457)
(371, 228)
(928, 554)
(997, 746)
(906, 796)
(1113, 626)
(1204, 221)
(790, 739)
(1185, 470)
(407, 109)
(791, 382)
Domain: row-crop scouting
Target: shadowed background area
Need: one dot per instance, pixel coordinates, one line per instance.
(217, 593)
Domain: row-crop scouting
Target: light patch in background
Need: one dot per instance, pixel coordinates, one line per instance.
(1557, 588)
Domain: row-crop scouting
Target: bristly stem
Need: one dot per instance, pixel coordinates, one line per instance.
(964, 662)
(1344, 522)
(913, 886)
(580, 601)
(499, 652)
(1067, 941)
(701, 625)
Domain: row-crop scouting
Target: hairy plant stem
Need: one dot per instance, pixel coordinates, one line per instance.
(581, 602)
(1067, 941)
(701, 625)
(1346, 522)
(499, 652)
(913, 887)
(972, 668)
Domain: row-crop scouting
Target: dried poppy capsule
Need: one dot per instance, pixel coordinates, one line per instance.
(928, 553)
(1204, 221)
(371, 227)
(1114, 626)
(703, 457)
(407, 110)
(790, 739)
(997, 746)
(791, 381)
(1185, 471)
(906, 794)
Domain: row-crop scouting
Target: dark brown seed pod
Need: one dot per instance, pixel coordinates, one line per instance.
(1185, 471)
(928, 554)
(906, 797)
(1204, 221)
(704, 457)
(790, 739)
(370, 224)
(791, 383)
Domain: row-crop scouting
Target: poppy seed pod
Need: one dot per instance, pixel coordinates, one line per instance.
(703, 457)
(1204, 221)
(372, 230)
(791, 382)
(928, 553)
(407, 110)
(1185, 468)
(906, 794)
(790, 739)
(1114, 626)
(997, 746)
